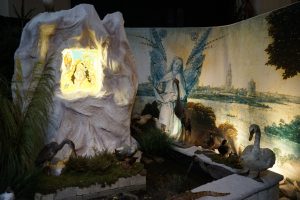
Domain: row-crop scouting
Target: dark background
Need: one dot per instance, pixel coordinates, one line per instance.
(182, 13)
(142, 13)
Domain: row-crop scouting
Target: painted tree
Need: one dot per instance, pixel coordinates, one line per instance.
(284, 51)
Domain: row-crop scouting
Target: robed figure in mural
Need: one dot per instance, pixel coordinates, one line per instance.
(167, 92)
(173, 83)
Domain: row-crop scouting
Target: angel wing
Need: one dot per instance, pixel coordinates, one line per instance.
(158, 57)
(194, 62)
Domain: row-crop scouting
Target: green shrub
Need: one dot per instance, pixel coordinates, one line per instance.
(77, 164)
(153, 142)
(202, 114)
(101, 162)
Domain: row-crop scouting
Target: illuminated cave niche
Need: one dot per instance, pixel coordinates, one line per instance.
(80, 73)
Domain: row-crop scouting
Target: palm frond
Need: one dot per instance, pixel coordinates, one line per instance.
(158, 43)
(29, 14)
(16, 11)
(23, 123)
(148, 41)
(198, 48)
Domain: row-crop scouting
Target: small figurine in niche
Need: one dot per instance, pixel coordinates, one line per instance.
(79, 74)
(68, 60)
(255, 158)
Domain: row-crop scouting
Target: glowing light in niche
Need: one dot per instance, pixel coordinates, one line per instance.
(81, 73)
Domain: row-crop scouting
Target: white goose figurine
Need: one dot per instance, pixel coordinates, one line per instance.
(255, 158)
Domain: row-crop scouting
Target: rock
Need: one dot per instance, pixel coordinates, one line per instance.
(296, 185)
(218, 172)
(95, 76)
(288, 190)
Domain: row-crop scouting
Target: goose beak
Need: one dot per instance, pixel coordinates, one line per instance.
(251, 135)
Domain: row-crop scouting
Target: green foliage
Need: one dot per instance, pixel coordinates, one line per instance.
(98, 163)
(101, 161)
(153, 142)
(23, 123)
(289, 131)
(71, 177)
(285, 49)
(78, 164)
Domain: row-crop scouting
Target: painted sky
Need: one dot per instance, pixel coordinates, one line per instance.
(243, 47)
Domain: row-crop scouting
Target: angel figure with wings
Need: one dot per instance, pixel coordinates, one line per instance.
(172, 84)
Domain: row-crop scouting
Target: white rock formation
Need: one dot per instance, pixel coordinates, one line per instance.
(95, 119)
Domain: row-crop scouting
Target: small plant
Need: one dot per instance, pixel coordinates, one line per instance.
(98, 163)
(101, 162)
(153, 142)
(77, 164)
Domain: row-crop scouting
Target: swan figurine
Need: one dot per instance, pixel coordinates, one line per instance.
(255, 158)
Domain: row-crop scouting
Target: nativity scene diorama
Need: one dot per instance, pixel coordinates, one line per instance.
(100, 111)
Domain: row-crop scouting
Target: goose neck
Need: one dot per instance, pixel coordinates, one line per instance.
(257, 140)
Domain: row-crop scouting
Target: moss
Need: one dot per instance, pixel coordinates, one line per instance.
(88, 173)
(96, 164)
(79, 164)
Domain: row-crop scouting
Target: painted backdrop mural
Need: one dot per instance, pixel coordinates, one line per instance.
(227, 78)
